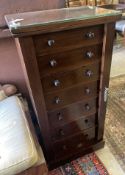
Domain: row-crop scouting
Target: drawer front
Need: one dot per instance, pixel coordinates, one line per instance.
(73, 128)
(70, 60)
(72, 78)
(75, 143)
(60, 99)
(72, 112)
(67, 40)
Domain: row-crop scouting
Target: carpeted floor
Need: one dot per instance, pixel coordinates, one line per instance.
(118, 58)
(115, 119)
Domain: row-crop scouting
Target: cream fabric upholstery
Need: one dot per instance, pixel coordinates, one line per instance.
(2, 95)
(17, 148)
(120, 26)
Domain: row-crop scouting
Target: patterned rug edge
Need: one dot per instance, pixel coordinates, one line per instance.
(89, 164)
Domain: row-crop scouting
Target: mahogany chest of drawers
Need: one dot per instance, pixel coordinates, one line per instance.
(67, 64)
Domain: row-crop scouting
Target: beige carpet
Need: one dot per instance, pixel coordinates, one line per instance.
(118, 63)
(118, 58)
(113, 154)
(115, 119)
(109, 161)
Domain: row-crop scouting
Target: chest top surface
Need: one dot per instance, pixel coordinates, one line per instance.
(59, 19)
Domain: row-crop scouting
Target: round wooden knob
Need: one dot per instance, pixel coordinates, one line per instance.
(90, 35)
(61, 132)
(87, 91)
(64, 147)
(57, 100)
(51, 43)
(89, 73)
(60, 117)
(80, 145)
(89, 54)
(86, 121)
(53, 63)
(56, 83)
(86, 135)
(87, 107)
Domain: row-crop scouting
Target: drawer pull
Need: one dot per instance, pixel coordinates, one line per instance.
(90, 54)
(56, 83)
(87, 91)
(87, 107)
(51, 42)
(53, 63)
(80, 145)
(86, 135)
(86, 121)
(61, 132)
(90, 35)
(57, 100)
(64, 147)
(60, 117)
(89, 73)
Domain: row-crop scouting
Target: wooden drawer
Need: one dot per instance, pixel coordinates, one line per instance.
(75, 143)
(69, 60)
(72, 128)
(72, 112)
(72, 78)
(60, 99)
(68, 40)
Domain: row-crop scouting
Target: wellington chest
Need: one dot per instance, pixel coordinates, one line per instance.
(66, 57)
